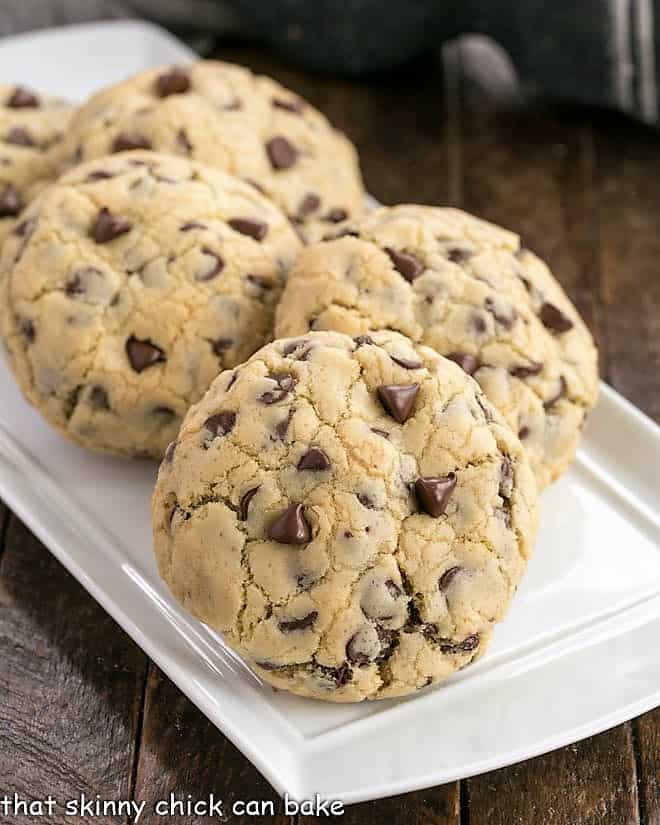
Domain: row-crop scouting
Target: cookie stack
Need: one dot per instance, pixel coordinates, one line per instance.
(354, 409)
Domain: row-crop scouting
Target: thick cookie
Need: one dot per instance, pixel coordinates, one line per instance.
(128, 285)
(223, 115)
(469, 290)
(30, 125)
(353, 515)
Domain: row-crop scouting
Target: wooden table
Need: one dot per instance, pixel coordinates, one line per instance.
(81, 707)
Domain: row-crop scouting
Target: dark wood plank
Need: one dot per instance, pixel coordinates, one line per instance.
(646, 731)
(71, 684)
(590, 783)
(184, 754)
(628, 166)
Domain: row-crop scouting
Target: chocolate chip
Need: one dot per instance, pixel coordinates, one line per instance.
(190, 225)
(467, 645)
(506, 478)
(11, 202)
(221, 423)
(310, 203)
(107, 226)
(248, 226)
(25, 229)
(526, 283)
(162, 412)
(525, 370)
(22, 99)
(244, 504)
(341, 675)
(28, 330)
(300, 348)
(458, 255)
(282, 427)
(407, 363)
(554, 319)
(433, 493)
(294, 105)
(468, 363)
(382, 433)
(406, 264)
(299, 624)
(285, 383)
(74, 287)
(281, 153)
(221, 345)
(314, 459)
(363, 340)
(19, 137)
(523, 433)
(174, 82)
(183, 141)
(398, 399)
(366, 501)
(393, 589)
(445, 580)
(561, 392)
(257, 280)
(169, 452)
(143, 354)
(291, 527)
(126, 143)
(335, 215)
(232, 381)
(98, 174)
(217, 265)
(478, 322)
(98, 398)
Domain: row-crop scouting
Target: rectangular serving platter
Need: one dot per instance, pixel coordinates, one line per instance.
(577, 654)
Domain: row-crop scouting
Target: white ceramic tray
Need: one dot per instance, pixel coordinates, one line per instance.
(578, 653)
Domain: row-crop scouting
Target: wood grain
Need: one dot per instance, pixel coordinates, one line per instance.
(646, 732)
(70, 683)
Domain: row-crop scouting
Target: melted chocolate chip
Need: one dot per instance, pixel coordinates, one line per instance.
(285, 383)
(98, 398)
(244, 504)
(363, 340)
(28, 330)
(505, 319)
(248, 226)
(257, 280)
(526, 370)
(166, 413)
(221, 423)
(22, 98)
(282, 427)
(523, 433)
(468, 363)
(366, 501)
(98, 174)
(309, 204)
(126, 143)
(407, 363)
(446, 579)
(406, 264)
(11, 202)
(382, 433)
(341, 675)
(294, 104)
(467, 645)
(458, 255)
(353, 653)
(335, 215)
(143, 354)
(217, 265)
(478, 322)
(107, 226)
(299, 624)
(300, 348)
(398, 399)
(433, 493)
(291, 526)
(561, 392)
(25, 229)
(281, 153)
(18, 136)
(506, 478)
(174, 82)
(554, 319)
(314, 459)
(393, 589)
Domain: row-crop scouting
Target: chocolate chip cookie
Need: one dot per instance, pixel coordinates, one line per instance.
(30, 126)
(352, 514)
(468, 289)
(128, 285)
(224, 115)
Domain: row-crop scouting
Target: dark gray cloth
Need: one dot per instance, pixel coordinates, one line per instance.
(600, 52)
